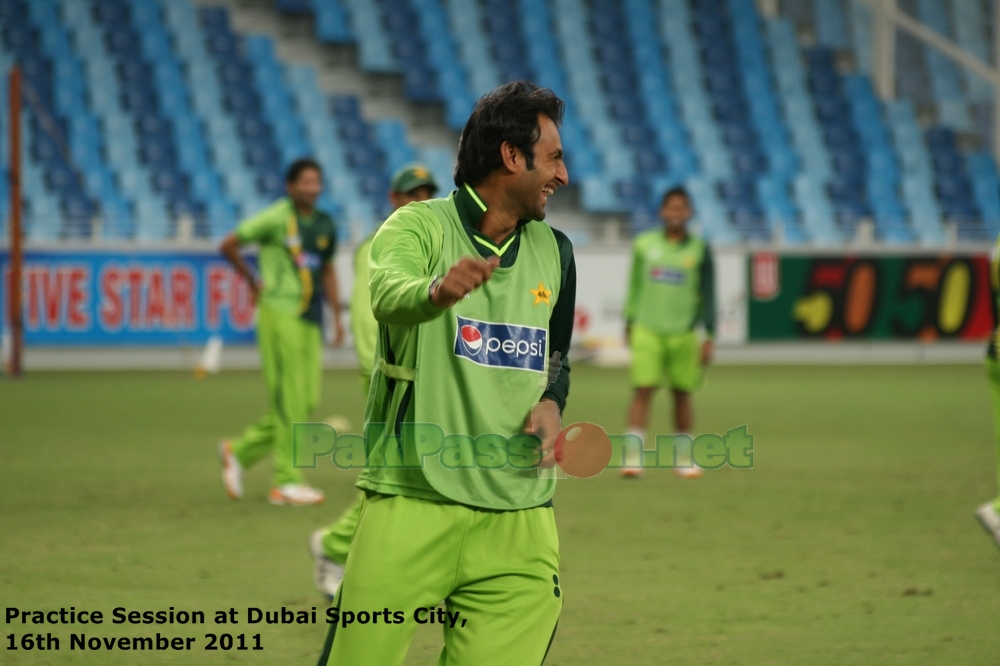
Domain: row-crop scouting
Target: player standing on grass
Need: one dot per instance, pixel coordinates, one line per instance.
(297, 244)
(472, 294)
(989, 513)
(671, 288)
(329, 546)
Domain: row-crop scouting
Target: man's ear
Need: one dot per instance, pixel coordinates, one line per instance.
(511, 156)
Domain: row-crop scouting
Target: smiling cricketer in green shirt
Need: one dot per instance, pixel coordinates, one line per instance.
(465, 344)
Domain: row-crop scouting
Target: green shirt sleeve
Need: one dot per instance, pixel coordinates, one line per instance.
(707, 284)
(266, 227)
(561, 321)
(399, 266)
(634, 284)
(363, 324)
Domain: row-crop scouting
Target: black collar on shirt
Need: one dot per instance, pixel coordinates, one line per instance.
(305, 220)
(682, 241)
(470, 211)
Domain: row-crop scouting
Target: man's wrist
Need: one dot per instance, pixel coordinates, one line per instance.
(549, 396)
(432, 287)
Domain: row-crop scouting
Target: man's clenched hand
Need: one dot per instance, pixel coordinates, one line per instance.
(465, 275)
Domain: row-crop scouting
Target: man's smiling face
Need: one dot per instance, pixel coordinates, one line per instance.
(535, 185)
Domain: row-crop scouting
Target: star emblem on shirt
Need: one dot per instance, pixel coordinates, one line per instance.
(541, 294)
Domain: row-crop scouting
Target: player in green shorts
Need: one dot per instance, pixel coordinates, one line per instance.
(989, 513)
(329, 546)
(671, 289)
(473, 295)
(297, 244)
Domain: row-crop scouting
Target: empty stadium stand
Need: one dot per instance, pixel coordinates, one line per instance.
(149, 119)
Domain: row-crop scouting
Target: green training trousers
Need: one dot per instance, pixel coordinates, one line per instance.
(290, 352)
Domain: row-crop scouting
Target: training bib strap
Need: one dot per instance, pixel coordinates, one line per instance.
(397, 372)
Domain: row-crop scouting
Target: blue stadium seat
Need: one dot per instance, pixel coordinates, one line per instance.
(214, 18)
(295, 6)
(704, 90)
(20, 38)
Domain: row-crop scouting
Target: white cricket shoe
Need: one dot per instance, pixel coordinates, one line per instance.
(988, 516)
(633, 465)
(232, 470)
(295, 494)
(327, 574)
(688, 472)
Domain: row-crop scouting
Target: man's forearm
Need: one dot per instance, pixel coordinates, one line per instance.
(230, 249)
(400, 263)
(558, 390)
(708, 294)
(331, 290)
(402, 299)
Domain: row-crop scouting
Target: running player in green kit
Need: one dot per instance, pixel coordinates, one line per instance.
(297, 244)
(989, 513)
(671, 288)
(473, 294)
(329, 546)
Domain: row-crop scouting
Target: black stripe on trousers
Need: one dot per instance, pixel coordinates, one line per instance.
(549, 646)
(328, 643)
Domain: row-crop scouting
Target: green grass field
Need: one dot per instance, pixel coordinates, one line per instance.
(852, 541)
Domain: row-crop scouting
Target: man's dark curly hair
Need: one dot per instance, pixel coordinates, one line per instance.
(508, 113)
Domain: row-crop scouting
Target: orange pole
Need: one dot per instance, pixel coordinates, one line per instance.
(14, 97)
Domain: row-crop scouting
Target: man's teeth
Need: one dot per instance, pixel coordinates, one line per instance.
(548, 191)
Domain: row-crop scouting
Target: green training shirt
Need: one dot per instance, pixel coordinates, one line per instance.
(407, 253)
(363, 324)
(293, 251)
(672, 284)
